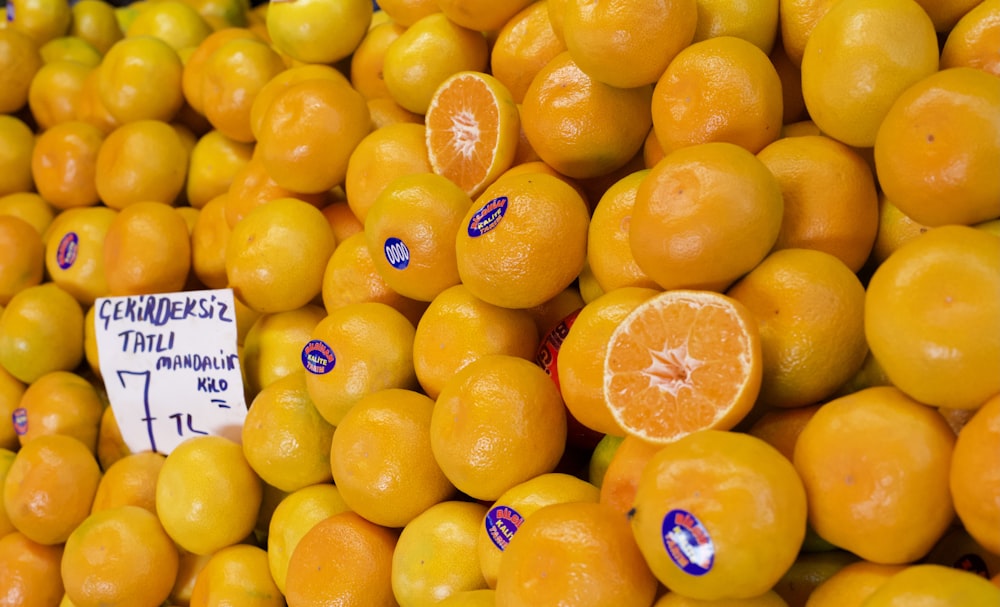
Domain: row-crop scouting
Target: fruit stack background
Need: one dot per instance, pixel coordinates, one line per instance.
(623, 303)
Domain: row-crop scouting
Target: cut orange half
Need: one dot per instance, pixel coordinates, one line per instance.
(682, 361)
(472, 130)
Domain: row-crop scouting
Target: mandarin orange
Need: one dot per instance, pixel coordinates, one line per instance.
(23, 253)
(580, 126)
(410, 230)
(972, 41)
(682, 361)
(481, 457)
(830, 196)
(857, 60)
(29, 571)
(628, 43)
(523, 240)
(974, 482)
(472, 130)
(522, 47)
(875, 465)
(719, 515)
(579, 552)
(932, 320)
(430, 50)
(435, 557)
(458, 327)
(343, 560)
(743, 105)
(308, 132)
(704, 216)
(923, 159)
(382, 460)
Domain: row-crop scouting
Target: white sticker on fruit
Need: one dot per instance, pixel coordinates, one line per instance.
(170, 367)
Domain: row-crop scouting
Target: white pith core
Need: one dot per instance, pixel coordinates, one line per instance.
(670, 370)
(464, 133)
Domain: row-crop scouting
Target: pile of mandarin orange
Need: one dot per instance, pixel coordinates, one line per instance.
(627, 303)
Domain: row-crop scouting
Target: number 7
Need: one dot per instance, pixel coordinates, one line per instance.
(148, 419)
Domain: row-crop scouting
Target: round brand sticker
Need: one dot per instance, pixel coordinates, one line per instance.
(396, 253)
(687, 542)
(66, 251)
(487, 217)
(318, 357)
(20, 417)
(502, 523)
(548, 351)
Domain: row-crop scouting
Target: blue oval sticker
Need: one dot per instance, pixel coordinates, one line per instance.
(20, 418)
(318, 357)
(66, 251)
(488, 217)
(502, 522)
(687, 542)
(396, 253)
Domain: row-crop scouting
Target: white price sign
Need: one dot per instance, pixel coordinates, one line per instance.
(170, 366)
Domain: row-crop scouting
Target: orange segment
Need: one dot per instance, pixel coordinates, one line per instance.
(473, 128)
(684, 360)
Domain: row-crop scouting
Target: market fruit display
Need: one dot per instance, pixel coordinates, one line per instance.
(628, 303)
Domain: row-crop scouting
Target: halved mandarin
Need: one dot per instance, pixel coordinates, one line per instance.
(682, 361)
(473, 128)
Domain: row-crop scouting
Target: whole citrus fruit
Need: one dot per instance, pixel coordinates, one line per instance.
(581, 126)
(435, 556)
(810, 309)
(975, 483)
(29, 571)
(523, 240)
(931, 318)
(277, 253)
(61, 402)
(482, 455)
(831, 200)
(308, 131)
(382, 460)
(743, 105)
(934, 586)
(457, 328)
(499, 525)
(318, 31)
(875, 465)
(34, 322)
(292, 518)
(23, 253)
(49, 487)
(923, 159)
(285, 439)
(207, 495)
(719, 515)
(578, 552)
(118, 557)
(238, 574)
(628, 43)
(343, 560)
(356, 350)
(859, 58)
(704, 216)
(147, 249)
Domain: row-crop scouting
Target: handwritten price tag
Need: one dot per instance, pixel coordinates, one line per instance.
(170, 366)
